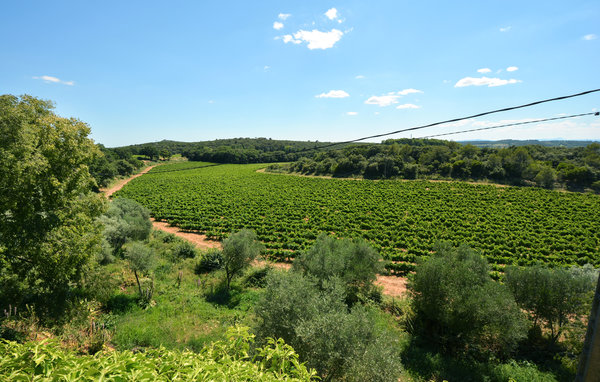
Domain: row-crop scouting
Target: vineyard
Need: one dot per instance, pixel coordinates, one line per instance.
(402, 219)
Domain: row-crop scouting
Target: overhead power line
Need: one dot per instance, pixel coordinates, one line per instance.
(453, 120)
(510, 124)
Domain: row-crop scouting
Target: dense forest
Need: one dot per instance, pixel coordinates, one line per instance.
(576, 168)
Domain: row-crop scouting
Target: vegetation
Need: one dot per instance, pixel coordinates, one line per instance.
(575, 168)
(231, 360)
(459, 307)
(48, 229)
(307, 307)
(401, 220)
(553, 297)
(113, 163)
(239, 250)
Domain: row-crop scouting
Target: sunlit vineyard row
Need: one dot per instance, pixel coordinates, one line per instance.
(402, 219)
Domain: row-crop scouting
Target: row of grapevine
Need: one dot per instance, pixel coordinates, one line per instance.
(402, 219)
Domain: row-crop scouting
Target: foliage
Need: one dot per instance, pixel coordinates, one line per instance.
(239, 250)
(401, 220)
(141, 261)
(354, 262)
(48, 231)
(229, 360)
(315, 320)
(553, 297)
(209, 261)
(124, 221)
(184, 250)
(460, 307)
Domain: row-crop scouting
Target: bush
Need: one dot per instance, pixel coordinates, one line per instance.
(125, 220)
(184, 250)
(460, 307)
(209, 261)
(315, 320)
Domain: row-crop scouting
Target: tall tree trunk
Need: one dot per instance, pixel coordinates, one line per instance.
(138, 282)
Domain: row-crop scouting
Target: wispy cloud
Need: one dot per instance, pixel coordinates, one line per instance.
(283, 16)
(359, 77)
(512, 69)
(408, 106)
(267, 67)
(352, 113)
(277, 25)
(332, 14)
(50, 79)
(505, 29)
(333, 94)
(315, 38)
(484, 81)
(484, 70)
(589, 37)
(390, 98)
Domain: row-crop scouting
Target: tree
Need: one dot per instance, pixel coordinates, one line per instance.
(48, 229)
(165, 154)
(126, 220)
(552, 296)
(354, 262)
(239, 250)
(141, 261)
(546, 177)
(459, 306)
(150, 151)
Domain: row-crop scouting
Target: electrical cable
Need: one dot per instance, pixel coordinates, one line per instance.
(452, 120)
(510, 124)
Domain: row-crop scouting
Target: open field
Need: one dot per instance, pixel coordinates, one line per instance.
(403, 220)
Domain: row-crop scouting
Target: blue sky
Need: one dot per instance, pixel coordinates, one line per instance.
(141, 71)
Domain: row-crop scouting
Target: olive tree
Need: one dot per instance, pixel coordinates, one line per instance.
(239, 250)
(48, 227)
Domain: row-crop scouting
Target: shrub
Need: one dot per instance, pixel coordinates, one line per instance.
(125, 220)
(209, 261)
(184, 250)
(315, 320)
(460, 307)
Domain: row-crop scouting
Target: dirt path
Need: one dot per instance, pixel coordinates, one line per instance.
(120, 184)
(392, 285)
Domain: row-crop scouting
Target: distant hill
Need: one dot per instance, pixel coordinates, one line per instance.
(511, 142)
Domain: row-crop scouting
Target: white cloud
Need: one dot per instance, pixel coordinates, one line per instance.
(284, 16)
(267, 67)
(334, 94)
(331, 14)
(408, 106)
(315, 38)
(408, 91)
(512, 69)
(359, 77)
(277, 25)
(505, 29)
(484, 81)
(385, 100)
(288, 38)
(352, 113)
(390, 98)
(211, 101)
(484, 70)
(589, 37)
(50, 79)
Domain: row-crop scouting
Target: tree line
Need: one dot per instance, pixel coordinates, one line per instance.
(572, 167)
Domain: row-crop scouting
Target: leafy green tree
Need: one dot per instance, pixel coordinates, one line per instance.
(125, 220)
(239, 250)
(459, 306)
(552, 296)
(150, 151)
(546, 177)
(165, 154)
(48, 229)
(354, 262)
(141, 260)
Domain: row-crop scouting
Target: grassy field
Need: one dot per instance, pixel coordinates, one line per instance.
(402, 219)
